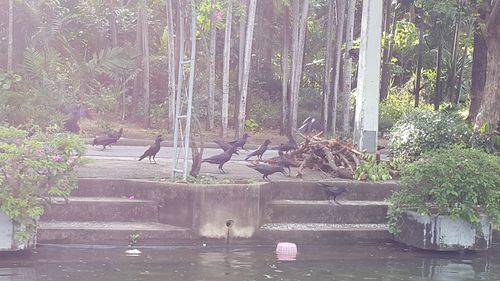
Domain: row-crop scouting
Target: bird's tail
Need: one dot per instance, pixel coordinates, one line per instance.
(142, 157)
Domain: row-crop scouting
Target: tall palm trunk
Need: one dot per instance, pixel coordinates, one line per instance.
(478, 79)
(438, 90)
(10, 36)
(351, 10)
(390, 19)
(241, 55)
(285, 67)
(171, 65)
(211, 73)
(246, 68)
(299, 29)
(338, 51)
(145, 64)
(416, 90)
(327, 85)
(225, 77)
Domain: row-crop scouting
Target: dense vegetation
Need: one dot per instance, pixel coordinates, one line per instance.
(60, 52)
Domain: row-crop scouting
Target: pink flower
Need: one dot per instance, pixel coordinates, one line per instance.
(57, 158)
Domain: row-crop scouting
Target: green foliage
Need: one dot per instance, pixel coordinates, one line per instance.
(372, 169)
(251, 125)
(39, 167)
(421, 131)
(461, 183)
(393, 109)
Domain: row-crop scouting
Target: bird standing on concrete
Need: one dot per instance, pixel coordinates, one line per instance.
(289, 146)
(240, 142)
(332, 191)
(267, 170)
(152, 150)
(259, 151)
(283, 161)
(221, 159)
(107, 140)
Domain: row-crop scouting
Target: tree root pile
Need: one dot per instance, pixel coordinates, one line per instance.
(333, 157)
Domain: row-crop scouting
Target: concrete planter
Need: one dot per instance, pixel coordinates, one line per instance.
(8, 241)
(441, 233)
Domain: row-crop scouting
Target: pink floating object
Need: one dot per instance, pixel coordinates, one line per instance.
(131, 197)
(286, 251)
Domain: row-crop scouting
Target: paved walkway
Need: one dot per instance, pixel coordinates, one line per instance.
(121, 162)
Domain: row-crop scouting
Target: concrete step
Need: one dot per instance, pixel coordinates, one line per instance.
(103, 209)
(356, 190)
(322, 211)
(299, 232)
(90, 232)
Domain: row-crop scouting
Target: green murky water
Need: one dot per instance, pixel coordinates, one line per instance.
(314, 262)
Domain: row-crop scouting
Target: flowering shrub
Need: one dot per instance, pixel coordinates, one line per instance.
(35, 168)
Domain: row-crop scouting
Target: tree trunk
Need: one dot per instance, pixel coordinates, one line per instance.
(416, 90)
(451, 81)
(327, 85)
(460, 75)
(10, 36)
(438, 91)
(246, 68)
(134, 114)
(241, 55)
(171, 65)
(390, 19)
(351, 10)
(295, 47)
(338, 52)
(225, 77)
(489, 111)
(298, 56)
(113, 28)
(478, 79)
(285, 65)
(211, 73)
(145, 64)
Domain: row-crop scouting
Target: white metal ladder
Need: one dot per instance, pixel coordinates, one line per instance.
(184, 97)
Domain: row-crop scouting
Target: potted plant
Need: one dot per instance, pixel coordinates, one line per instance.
(33, 168)
(447, 200)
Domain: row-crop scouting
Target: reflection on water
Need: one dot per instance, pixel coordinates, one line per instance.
(331, 262)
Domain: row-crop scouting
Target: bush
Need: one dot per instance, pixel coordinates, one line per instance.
(421, 131)
(458, 182)
(393, 109)
(35, 168)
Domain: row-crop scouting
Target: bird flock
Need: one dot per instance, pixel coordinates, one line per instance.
(230, 148)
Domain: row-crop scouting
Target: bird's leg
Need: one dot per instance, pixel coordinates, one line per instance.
(221, 170)
(149, 159)
(335, 200)
(154, 158)
(289, 172)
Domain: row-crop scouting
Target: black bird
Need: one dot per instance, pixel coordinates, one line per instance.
(260, 150)
(108, 139)
(332, 191)
(310, 125)
(283, 161)
(73, 115)
(152, 150)
(225, 146)
(289, 146)
(221, 159)
(267, 170)
(240, 142)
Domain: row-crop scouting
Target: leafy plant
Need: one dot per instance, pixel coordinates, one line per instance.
(373, 170)
(34, 169)
(251, 124)
(422, 131)
(458, 182)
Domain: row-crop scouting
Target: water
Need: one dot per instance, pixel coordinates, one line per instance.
(314, 262)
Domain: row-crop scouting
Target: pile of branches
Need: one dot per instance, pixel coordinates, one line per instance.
(336, 157)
